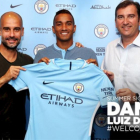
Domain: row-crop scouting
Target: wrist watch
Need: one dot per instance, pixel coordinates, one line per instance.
(137, 97)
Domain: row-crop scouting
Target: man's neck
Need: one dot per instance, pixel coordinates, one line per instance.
(64, 45)
(9, 54)
(128, 40)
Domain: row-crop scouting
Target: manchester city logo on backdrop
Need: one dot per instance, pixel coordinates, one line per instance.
(78, 87)
(101, 120)
(38, 47)
(41, 6)
(101, 30)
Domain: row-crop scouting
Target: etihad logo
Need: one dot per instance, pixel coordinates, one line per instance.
(22, 49)
(60, 100)
(66, 6)
(15, 5)
(41, 30)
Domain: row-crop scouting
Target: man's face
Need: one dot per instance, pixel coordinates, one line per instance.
(11, 31)
(64, 27)
(127, 22)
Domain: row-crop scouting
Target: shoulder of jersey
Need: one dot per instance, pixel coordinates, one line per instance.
(96, 68)
(35, 66)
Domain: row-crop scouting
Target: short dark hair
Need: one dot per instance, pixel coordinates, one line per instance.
(63, 11)
(127, 3)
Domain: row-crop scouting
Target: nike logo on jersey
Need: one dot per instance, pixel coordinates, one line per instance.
(15, 5)
(45, 83)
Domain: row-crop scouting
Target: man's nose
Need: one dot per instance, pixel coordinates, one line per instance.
(126, 21)
(11, 33)
(64, 27)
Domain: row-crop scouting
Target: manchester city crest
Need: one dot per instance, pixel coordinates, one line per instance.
(101, 120)
(78, 87)
(39, 47)
(101, 30)
(41, 6)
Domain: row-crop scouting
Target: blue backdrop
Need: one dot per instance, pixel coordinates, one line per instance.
(95, 20)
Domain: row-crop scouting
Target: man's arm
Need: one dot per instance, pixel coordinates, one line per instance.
(109, 74)
(12, 73)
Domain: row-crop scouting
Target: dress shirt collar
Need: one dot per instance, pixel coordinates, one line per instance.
(136, 42)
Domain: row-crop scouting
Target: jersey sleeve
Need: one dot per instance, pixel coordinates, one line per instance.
(18, 84)
(25, 78)
(107, 92)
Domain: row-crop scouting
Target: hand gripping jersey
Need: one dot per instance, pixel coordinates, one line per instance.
(64, 97)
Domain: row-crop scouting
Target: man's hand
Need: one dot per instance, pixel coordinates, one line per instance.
(78, 45)
(12, 73)
(109, 74)
(92, 61)
(126, 95)
(44, 59)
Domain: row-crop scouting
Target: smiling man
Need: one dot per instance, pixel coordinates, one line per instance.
(64, 28)
(12, 105)
(122, 57)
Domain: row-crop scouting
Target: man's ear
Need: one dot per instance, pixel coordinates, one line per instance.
(53, 29)
(74, 29)
(22, 31)
(115, 23)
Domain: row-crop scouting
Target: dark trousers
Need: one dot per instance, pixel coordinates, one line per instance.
(11, 133)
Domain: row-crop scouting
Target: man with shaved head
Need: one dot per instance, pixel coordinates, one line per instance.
(12, 112)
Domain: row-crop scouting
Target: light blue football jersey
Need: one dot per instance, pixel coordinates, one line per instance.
(64, 97)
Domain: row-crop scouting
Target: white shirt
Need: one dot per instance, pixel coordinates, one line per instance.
(125, 64)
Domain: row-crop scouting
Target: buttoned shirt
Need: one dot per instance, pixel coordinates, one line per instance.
(63, 50)
(72, 52)
(124, 63)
